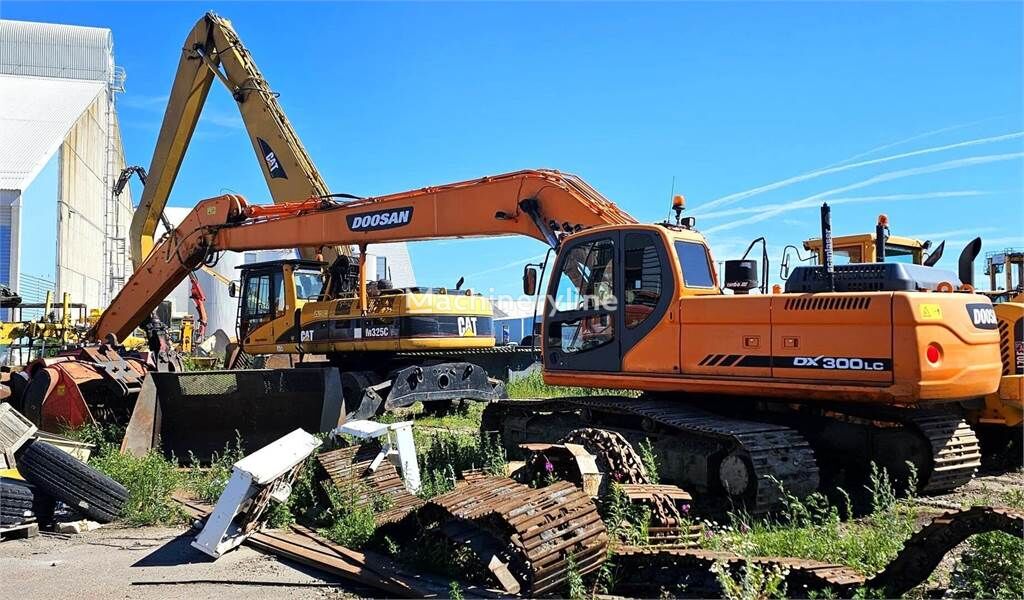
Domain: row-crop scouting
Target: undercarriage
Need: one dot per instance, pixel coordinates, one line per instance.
(732, 454)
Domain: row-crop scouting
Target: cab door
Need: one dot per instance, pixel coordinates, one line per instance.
(648, 338)
(582, 319)
(262, 298)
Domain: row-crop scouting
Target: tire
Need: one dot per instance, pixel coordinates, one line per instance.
(71, 481)
(16, 502)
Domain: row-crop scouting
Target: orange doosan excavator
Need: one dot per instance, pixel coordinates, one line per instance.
(741, 394)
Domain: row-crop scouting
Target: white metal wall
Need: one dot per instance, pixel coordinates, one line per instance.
(81, 201)
(52, 50)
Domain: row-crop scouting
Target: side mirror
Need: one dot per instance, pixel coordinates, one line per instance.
(233, 289)
(529, 280)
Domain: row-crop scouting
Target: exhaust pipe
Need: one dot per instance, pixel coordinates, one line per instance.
(966, 262)
(826, 246)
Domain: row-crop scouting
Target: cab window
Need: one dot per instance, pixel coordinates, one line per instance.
(843, 255)
(263, 294)
(587, 277)
(693, 258)
(901, 254)
(642, 275)
(586, 284)
(308, 284)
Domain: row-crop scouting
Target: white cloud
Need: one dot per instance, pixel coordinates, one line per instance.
(959, 163)
(736, 197)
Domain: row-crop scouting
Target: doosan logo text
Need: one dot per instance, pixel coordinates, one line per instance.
(381, 219)
(983, 316)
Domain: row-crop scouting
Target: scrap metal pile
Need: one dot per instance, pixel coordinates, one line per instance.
(527, 535)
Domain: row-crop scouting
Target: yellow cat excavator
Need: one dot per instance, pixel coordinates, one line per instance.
(742, 393)
(457, 321)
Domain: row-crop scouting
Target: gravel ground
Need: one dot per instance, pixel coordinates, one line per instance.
(150, 562)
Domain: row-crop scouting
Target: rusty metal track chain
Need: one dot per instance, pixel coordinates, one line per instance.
(647, 568)
(492, 350)
(350, 468)
(774, 451)
(926, 548)
(956, 452)
(540, 530)
(614, 455)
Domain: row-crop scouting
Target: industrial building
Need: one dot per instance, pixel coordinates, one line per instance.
(58, 85)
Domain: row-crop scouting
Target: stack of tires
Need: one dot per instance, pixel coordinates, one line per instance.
(52, 474)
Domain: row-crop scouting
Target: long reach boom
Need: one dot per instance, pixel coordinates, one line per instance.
(541, 204)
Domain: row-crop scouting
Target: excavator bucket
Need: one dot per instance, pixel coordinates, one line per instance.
(195, 414)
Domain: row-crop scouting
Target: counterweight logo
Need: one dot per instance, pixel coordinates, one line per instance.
(983, 316)
(273, 164)
(380, 219)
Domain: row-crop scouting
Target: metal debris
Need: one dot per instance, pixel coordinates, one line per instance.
(533, 532)
(569, 462)
(648, 570)
(615, 456)
(669, 506)
(350, 468)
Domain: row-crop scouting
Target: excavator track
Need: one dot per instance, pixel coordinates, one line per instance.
(956, 452)
(648, 570)
(760, 459)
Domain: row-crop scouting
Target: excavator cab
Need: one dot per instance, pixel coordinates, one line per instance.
(610, 293)
(862, 248)
(271, 292)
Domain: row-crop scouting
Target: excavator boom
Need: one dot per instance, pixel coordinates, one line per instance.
(541, 204)
(211, 51)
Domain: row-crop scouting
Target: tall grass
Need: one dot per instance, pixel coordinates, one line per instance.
(151, 480)
(532, 386)
(992, 565)
(813, 528)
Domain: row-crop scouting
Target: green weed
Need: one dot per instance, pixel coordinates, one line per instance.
(753, 582)
(150, 480)
(812, 528)
(532, 386)
(454, 591)
(627, 523)
(445, 454)
(992, 565)
(98, 435)
(352, 520)
(207, 484)
(574, 580)
(650, 460)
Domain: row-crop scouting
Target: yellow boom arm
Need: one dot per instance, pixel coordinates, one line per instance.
(213, 50)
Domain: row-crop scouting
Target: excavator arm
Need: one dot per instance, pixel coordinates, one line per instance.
(541, 204)
(213, 50)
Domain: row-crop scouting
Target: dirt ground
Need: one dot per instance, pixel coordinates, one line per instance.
(151, 562)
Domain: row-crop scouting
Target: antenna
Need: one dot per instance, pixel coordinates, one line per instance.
(671, 195)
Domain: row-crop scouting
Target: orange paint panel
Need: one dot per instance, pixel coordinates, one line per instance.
(832, 337)
(658, 351)
(726, 335)
(969, 365)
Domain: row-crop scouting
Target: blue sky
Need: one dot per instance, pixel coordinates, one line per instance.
(728, 98)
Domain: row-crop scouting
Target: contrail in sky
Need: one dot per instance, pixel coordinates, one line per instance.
(516, 263)
(952, 232)
(736, 197)
(801, 203)
(851, 200)
(912, 139)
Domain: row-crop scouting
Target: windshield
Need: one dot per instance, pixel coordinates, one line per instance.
(308, 284)
(901, 254)
(693, 258)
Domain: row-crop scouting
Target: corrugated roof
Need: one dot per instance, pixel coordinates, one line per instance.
(35, 115)
(51, 50)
